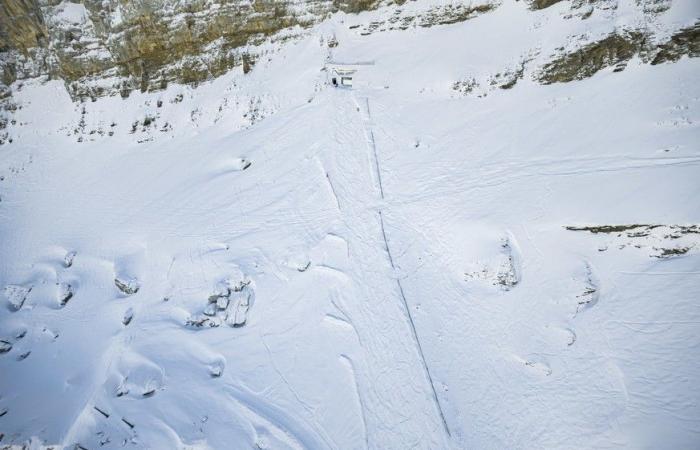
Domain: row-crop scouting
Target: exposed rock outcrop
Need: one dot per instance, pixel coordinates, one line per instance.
(617, 49)
(614, 49)
(684, 42)
(101, 47)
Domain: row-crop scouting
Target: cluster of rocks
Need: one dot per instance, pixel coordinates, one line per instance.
(229, 304)
(661, 241)
(503, 272)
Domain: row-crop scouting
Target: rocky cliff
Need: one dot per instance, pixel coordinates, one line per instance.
(104, 49)
(99, 46)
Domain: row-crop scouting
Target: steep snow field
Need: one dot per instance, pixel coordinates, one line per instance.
(385, 267)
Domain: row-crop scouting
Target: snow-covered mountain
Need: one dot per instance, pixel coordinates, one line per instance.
(492, 240)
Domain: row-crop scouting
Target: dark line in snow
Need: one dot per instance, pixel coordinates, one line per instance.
(412, 324)
(407, 310)
(101, 412)
(335, 195)
(370, 136)
(386, 242)
(376, 163)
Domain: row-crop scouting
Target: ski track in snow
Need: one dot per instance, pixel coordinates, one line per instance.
(407, 310)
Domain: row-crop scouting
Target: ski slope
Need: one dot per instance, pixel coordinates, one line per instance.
(383, 267)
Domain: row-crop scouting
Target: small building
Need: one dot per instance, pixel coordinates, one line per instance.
(344, 74)
(342, 77)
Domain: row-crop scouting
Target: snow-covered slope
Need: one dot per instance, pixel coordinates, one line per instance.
(437, 258)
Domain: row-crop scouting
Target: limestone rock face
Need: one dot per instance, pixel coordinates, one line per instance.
(109, 47)
(616, 49)
(106, 46)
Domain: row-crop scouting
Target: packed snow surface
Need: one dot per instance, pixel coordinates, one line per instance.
(391, 266)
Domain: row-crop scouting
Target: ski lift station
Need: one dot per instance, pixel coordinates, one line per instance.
(344, 74)
(342, 77)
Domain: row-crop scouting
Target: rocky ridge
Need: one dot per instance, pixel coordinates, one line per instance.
(111, 48)
(99, 47)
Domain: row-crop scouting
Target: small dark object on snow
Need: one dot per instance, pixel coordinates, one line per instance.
(128, 287)
(68, 259)
(128, 316)
(5, 346)
(66, 295)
